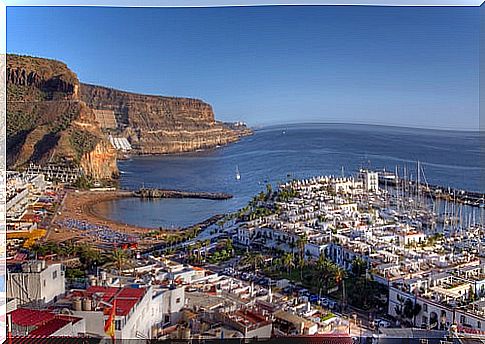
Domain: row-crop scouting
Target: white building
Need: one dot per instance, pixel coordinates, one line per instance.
(35, 282)
(370, 180)
(438, 314)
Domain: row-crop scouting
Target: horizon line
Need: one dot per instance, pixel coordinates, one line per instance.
(291, 123)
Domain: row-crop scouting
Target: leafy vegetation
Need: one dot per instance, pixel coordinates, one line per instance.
(89, 257)
(19, 121)
(83, 142)
(83, 182)
(285, 194)
(322, 276)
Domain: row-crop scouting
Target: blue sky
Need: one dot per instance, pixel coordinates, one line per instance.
(408, 66)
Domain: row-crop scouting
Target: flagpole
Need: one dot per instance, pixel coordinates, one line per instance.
(114, 322)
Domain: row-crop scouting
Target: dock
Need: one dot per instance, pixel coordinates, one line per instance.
(163, 193)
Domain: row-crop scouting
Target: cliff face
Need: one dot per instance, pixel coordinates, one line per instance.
(48, 123)
(157, 125)
(51, 118)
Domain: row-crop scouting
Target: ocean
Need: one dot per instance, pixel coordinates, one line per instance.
(276, 154)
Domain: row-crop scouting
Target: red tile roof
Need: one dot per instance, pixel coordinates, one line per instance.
(50, 327)
(131, 293)
(48, 340)
(126, 298)
(45, 322)
(30, 317)
(123, 307)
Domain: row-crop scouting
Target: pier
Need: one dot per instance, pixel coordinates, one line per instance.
(162, 193)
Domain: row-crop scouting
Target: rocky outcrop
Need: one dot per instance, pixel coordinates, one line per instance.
(101, 159)
(51, 119)
(158, 125)
(48, 123)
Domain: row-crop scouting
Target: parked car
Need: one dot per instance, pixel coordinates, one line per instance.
(313, 298)
(381, 323)
(303, 292)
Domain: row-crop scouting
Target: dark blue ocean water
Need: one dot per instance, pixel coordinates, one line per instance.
(274, 154)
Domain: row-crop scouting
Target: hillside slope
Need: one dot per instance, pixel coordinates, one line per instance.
(48, 123)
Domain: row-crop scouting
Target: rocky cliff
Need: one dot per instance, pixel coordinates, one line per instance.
(158, 125)
(47, 122)
(51, 118)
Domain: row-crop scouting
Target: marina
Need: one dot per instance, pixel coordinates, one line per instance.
(471, 198)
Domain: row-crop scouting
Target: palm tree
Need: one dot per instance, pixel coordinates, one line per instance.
(327, 270)
(277, 263)
(340, 275)
(207, 242)
(288, 261)
(88, 256)
(119, 259)
(300, 243)
(69, 249)
(229, 246)
(198, 246)
(253, 259)
(359, 267)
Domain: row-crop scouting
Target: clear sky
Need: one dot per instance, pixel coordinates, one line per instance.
(408, 66)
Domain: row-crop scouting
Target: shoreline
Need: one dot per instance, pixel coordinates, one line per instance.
(81, 206)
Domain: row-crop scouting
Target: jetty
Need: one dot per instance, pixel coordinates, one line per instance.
(163, 193)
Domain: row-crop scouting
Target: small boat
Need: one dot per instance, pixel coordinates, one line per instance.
(238, 175)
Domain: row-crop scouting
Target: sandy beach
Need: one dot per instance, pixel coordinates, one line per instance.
(80, 206)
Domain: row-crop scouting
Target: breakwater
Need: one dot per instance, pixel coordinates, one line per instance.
(162, 193)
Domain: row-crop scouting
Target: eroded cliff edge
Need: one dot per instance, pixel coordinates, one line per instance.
(160, 125)
(47, 122)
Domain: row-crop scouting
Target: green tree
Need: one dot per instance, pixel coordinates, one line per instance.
(359, 267)
(254, 259)
(301, 243)
(119, 260)
(288, 261)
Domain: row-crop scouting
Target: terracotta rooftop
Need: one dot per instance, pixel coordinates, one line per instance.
(126, 298)
(30, 317)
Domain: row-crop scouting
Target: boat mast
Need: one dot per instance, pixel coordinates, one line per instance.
(418, 181)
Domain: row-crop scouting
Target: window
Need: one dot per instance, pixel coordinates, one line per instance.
(54, 274)
(118, 325)
(425, 307)
(462, 319)
(479, 324)
(43, 282)
(177, 300)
